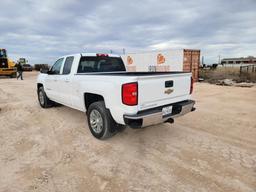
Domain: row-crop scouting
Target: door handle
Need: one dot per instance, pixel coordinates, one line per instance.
(67, 81)
(55, 80)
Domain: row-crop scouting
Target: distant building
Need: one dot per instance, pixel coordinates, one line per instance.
(238, 61)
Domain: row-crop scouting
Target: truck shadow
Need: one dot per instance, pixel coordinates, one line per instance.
(155, 132)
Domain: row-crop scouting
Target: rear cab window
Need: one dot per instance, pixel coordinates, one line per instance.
(89, 64)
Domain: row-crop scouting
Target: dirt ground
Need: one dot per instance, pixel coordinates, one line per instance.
(211, 149)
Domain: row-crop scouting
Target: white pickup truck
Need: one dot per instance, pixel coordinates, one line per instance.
(99, 85)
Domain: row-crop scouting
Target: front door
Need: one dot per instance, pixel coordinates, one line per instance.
(65, 82)
(52, 80)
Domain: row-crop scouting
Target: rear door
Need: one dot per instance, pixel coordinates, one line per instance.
(162, 90)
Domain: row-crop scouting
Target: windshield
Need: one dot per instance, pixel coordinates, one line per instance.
(100, 64)
(22, 60)
(3, 53)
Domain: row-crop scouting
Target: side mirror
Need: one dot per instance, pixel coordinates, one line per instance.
(44, 71)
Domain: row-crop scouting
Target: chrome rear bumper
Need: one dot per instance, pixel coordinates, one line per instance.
(155, 116)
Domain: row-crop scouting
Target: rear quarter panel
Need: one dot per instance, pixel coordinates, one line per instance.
(109, 87)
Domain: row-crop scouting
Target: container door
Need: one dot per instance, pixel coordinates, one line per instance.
(191, 62)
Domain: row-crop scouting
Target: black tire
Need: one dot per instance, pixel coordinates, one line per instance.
(45, 102)
(109, 126)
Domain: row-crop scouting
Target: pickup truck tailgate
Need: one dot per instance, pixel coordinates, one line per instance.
(161, 90)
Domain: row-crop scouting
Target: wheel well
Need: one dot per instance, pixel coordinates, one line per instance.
(90, 98)
(39, 85)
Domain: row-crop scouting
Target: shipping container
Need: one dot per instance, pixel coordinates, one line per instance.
(191, 62)
(187, 60)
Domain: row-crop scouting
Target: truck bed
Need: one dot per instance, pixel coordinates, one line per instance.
(133, 73)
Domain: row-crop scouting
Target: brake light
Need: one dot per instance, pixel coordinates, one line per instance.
(130, 94)
(101, 55)
(191, 85)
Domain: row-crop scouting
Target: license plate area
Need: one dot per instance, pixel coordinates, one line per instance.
(166, 111)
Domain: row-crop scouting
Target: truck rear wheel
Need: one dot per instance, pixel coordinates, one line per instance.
(100, 121)
(44, 101)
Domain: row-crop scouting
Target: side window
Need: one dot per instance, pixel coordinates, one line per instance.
(86, 66)
(57, 66)
(67, 65)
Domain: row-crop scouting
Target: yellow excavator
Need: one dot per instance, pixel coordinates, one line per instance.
(7, 66)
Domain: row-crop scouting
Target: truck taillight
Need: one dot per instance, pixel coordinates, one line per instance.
(191, 85)
(130, 94)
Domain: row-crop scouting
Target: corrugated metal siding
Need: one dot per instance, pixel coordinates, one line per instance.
(191, 62)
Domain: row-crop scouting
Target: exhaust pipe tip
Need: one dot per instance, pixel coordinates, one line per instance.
(193, 109)
(171, 120)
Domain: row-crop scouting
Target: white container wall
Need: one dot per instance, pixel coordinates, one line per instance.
(167, 60)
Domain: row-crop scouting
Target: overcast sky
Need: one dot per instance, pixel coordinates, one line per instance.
(46, 29)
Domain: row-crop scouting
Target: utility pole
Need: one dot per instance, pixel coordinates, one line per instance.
(219, 60)
(124, 51)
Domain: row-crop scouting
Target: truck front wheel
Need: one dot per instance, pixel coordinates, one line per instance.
(100, 121)
(44, 101)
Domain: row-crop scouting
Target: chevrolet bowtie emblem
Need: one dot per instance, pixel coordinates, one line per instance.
(168, 91)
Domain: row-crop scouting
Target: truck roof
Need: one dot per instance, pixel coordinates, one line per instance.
(91, 55)
(95, 54)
